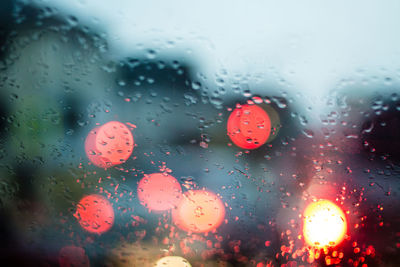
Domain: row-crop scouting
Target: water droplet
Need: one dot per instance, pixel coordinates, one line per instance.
(196, 85)
(368, 127)
(72, 21)
(303, 120)
(247, 93)
(280, 102)
(219, 81)
(308, 133)
(216, 101)
(151, 54)
(121, 82)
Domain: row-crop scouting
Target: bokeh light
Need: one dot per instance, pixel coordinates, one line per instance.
(110, 144)
(249, 126)
(199, 211)
(95, 214)
(324, 224)
(159, 191)
(172, 261)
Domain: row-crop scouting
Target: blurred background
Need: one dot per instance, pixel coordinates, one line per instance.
(326, 73)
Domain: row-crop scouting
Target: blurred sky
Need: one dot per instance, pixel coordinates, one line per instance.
(311, 43)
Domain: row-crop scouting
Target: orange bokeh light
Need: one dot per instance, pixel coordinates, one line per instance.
(199, 211)
(159, 191)
(110, 144)
(95, 214)
(324, 224)
(249, 126)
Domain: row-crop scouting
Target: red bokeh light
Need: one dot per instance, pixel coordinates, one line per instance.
(159, 191)
(110, 144)
(199, 211)
(73, 256)
(249, 126)
(95, 214)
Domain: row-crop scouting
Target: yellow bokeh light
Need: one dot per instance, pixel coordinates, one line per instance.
(324, 224)
(172, 261)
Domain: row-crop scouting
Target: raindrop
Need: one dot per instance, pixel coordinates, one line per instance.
(216, 101)
(247, 93)
(303, 120)
(377, 104)
(69, 132)
(351, 136)
(219, 81)
(280, 102)
(308, 133)
(368, 127)
(121, 82)
(196, 85)
(72, 21)
(151, 54)
(190, 99)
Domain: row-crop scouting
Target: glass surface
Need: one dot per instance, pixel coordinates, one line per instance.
(211, 133)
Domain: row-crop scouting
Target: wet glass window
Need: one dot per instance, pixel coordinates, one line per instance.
(215, 134)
